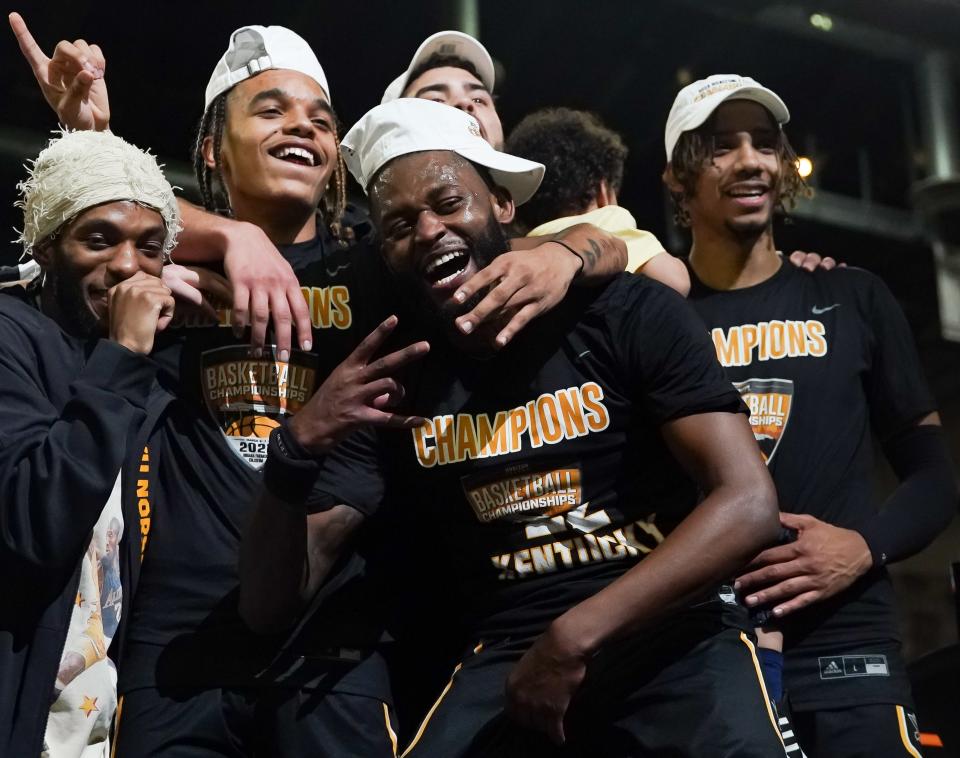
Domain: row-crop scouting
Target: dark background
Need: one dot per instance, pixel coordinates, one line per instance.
(854, 108)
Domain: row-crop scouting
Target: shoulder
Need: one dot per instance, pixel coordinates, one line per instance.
(638, 294)
(18, 315)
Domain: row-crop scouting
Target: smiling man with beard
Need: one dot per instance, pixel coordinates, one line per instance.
(554, 487)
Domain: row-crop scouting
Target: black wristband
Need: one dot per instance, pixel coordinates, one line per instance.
(289, 472)
(579, 257)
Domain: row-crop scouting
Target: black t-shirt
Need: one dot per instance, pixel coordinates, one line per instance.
(185, 628)
(821, 359)
(541, 473)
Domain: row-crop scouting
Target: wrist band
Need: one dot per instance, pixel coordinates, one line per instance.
(579, 257)
(289, 472)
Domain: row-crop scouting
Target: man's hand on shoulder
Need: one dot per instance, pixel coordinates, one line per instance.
(139, 307)
(72, 81)
(824, 560)
(813, 261)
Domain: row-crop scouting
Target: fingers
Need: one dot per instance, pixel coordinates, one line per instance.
(301, 317)
(280, 316)
(396, 420)
(781, 593)
(183, 283)
(217, 287)
(71, 104)
(73, 57)
(167, 307)
(516, 324)
(259, 319)
(393, 362)
(800, 601)
(492, 304)
(240, 310)
(28, 46)
(797, 520)
(478, 281)
(764, 580)
(828, 263)
(363, 352)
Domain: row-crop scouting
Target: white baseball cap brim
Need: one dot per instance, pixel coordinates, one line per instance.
(412, 125)
(696, 102)
(445, 43)
(253, 49)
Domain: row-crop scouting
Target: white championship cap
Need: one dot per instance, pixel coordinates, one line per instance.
(446, 43)
(696, 102)
(254, 49)
(412, 125)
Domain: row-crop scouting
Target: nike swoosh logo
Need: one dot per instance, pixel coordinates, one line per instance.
(817, 311)
(338, 269)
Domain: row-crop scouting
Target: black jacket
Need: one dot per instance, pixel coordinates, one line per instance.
(73, 413)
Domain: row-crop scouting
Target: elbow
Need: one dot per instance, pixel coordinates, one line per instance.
(759, 514)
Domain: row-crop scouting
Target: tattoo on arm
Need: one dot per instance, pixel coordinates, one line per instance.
(591, 256)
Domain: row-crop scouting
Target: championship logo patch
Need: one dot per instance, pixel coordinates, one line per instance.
(769, 401)
(523, 495)
(248, 397)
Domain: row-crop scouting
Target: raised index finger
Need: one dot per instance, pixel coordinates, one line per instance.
(28, 45)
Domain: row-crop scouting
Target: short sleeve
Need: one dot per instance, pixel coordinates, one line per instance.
(351, 475)
(669, 357)
(896, 389)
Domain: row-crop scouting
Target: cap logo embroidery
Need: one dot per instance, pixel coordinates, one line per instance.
(474, 128)
(716, 87)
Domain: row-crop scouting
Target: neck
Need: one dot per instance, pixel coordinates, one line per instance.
(283, 223)
(726, 261)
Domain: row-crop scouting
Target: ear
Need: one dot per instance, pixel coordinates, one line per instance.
(606, 195)
(207, 150)
(503, 208)
(43, 254)
(669, 179)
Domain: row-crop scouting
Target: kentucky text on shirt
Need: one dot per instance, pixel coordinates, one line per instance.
(562, 415)
(770, 340)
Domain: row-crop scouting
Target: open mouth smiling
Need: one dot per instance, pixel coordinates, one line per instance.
(443, 269)
(296, 154)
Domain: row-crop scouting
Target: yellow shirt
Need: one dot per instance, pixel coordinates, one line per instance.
(641, 245)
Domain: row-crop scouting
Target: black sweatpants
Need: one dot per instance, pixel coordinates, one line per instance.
(690, 687)
(252, 723)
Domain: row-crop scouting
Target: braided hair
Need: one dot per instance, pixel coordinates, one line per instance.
(213, 191)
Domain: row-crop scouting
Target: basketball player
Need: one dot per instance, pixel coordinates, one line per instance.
(823, 359)
(541, 476)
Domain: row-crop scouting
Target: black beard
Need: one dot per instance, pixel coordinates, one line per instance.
(71, 310)
(488, 245)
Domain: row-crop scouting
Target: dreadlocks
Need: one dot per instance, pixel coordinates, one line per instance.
(694, 151)
(213, 191)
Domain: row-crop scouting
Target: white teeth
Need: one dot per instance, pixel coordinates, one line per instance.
(299, 152)
(448, 279)
(445, 258)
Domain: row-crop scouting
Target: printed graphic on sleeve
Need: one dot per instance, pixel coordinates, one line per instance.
(769, 401)
(248, 396)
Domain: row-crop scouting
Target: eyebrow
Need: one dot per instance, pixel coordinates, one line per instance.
(278, 94)
(107, 225)
(445, 88)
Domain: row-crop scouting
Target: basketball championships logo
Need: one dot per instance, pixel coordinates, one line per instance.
(248, 397)
(769, 401)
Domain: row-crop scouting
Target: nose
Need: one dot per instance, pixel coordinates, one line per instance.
(124, 263)
(748, 159)
(298, 122)
(429, 229)
(465, 103)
